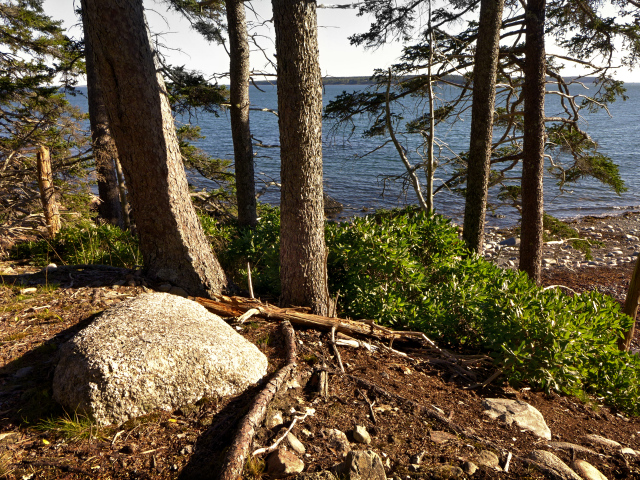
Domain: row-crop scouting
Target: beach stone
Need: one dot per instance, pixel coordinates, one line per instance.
(361, 435)
(165, 287)
(295, 444)
(587, 471)
(337, 440)
(361, 465)
(601, 441)
(469, 468)
(571, 446)
(273, 419)
(487, 458)
(516, 411)
(549, 460)
(510, 242)
(441, 437)
(282, 462)
(155, 351)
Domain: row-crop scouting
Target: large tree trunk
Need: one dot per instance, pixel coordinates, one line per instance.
(484, 96)
(534, 140)
(303, 267)
(104, 148)
(172, 242)
(241, 133)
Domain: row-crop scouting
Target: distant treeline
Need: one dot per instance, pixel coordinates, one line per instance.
(368, 81)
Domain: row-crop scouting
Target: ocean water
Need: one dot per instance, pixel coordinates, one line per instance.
(366, 182)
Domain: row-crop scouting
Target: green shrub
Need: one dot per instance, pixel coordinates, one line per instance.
(260, 247)
(409, 270)
(84, 243)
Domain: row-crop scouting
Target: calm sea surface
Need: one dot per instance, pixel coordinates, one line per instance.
(359, 184)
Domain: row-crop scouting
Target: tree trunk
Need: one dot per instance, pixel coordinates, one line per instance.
(172, 242)
(484, 96)
(47, 191)
(533, 91)
(240, 132)
(303, 264)
(631, 307)
(104, 148)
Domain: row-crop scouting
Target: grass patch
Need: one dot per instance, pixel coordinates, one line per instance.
(72, 429)
(15, 336)
(84, 243)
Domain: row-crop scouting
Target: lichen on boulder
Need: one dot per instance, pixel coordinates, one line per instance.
(155, 351)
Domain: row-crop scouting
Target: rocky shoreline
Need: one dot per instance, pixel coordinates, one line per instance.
(614, 241)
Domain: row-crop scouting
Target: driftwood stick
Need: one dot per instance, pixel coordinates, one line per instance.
(249, 280)
(247, 315)
(335, 348)
(370, 405)
(507, 463)
(275, 445)
(236, 455)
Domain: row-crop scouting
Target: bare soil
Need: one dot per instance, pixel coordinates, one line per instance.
(189, 443)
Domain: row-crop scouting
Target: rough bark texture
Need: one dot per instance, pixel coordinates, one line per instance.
(303, 268)
(631, 307)
(104, 148)
(172, 242)
(47, 191)
(534, 141)
(239, 73)
(484, 96)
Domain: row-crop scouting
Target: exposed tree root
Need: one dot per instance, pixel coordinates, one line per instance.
(238, 450)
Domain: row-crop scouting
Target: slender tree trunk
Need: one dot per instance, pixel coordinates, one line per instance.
(172, 242)
(47, 191)
(432, 122)
(104, 148)
(303, 263)
(240, 131)
(484, 97)
(533, 91)
(631, 307)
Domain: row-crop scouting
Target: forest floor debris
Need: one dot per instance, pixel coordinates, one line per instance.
(383, 392)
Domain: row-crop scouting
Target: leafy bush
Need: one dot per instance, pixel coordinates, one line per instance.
(409, 270)
(84, 243)
(260, 247)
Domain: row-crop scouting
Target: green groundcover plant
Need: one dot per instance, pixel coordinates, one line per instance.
(409, 270)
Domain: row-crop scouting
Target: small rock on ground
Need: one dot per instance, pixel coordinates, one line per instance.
(587, 471)
(361, 465)
(549, 460)
(361, 435)
(516, 411)
(282, 462)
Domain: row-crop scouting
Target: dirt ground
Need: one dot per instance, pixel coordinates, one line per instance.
(39, 440)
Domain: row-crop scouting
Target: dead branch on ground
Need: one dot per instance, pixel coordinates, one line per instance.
(233, 463)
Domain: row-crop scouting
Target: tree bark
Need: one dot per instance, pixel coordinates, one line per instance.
(631, 307)
(239, 74)
(47, 191)
(484, 96)
(104, 148)
(172, 242)
(303, 267)
(533, 91)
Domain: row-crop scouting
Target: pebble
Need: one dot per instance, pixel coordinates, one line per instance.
(361, 435)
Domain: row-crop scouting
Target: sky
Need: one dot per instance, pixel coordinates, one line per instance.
(337, 57)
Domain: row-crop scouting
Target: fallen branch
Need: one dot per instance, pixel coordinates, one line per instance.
(275, 445)
(335, 348)
(237, 453)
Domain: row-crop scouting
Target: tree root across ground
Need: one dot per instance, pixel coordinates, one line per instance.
(403, 392)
